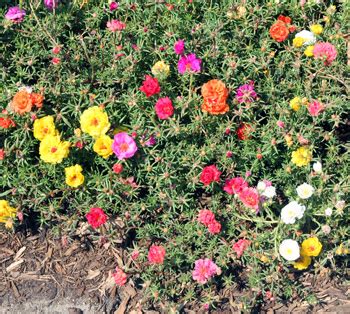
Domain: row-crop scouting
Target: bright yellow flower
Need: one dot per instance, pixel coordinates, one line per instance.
(103, 146)
(44, 126)
(295, 103)
(52, 150)
(302, 263)
(94, 121)
(74, 177)
(302, 156)
(311, 247)
(7, 214)
(160, 70)
(298, 42)
(317, 29)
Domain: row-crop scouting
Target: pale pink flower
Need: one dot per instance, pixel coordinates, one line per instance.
(240, 246)
(325, 51)
(115, 25)
(204, 269)
(120, 277)
(315, 108)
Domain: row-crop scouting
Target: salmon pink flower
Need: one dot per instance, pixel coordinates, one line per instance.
(156, 254)
(115, 25)
(235, 185)
(214, 227)
(206, 217)
(179, 47)
(124, 146)
(240, 246)
(150, 86)
(164, 108)
(250, 198)
(204, 269)
(120, 277)
(117, 168)
(315, 108)
(210, 174)
(96, 217)
(15, 14)
(189, 63)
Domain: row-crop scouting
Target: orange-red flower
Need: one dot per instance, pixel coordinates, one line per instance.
(279, 31)
(215, 94)
(6, 123)
(37, 99)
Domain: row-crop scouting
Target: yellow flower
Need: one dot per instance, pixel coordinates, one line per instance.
(311, 247)
(302, 263)
(44, 126)
(305, 101)
(317, 29)
(309, 51)
(160, 70)
(74, 177)
(298, 42)
(94, 121)
(302, 156)
(264, 259)
(52, 150)
(295, 103)
(103, 146)
(341, 250)
(7, 214)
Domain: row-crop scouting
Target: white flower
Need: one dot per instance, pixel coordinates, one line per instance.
(291, 212)
(328, 211)
(289, 249)
(305, 191)
(270, 192)
(308, 37)
(317, 166)
(261, 186)
(326, 229)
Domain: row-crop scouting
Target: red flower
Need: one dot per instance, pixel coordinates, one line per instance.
(279, 31)
(285, 19)
(156, 254)
(235, 185)
(150, 86)
(164, 108)
(37, 99)
(6, 123)
(2, 154)
(117, 168)
(214, 227)
(96, 217)
(210, 174)
(243, 132)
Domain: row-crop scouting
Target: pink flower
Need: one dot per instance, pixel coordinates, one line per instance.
(15, 14)
(2, 154)
(96, 217)
(51, 4)
(120, 277)
(189, 63)
(117, 168)
(214, 227)
(115, 25)
(280, 124)
(325, 51)
(235, 185)
(56, 50)
(250, 198)
(246, 93)
(56, 60)
(135, 255)
(206, 217)
(204, 269)
(113, 6)
(210, 174)
(179, 47)
(315, 108)
(240, 246)
(124, 146)
(150, 86)
(156, 254)
(164, 108)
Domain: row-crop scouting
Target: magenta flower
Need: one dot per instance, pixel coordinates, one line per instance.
(204, 269)
(179, 47)
(189, 63)
(124, 146)
(246, 93)
(51, 4)
(151, 141)
(113, 6)
(15, 14)
(326, 52)
(115, 25)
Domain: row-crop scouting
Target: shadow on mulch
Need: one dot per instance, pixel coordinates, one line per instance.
(41, 274)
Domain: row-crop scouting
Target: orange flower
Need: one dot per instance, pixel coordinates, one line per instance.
(37, 99)
(215, 94)
(279, 31)
(21, 102)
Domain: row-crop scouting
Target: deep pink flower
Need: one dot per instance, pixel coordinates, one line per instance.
(96, 217)
(204, 269)
(113, 6)
(156, 254)
(246, 93)
(250, 198)
(120, 277)
(151, 141)
(206, 217)
(51, 4)
(15, 14)
(179, 47)
(115, 25)
(235, 185)
(189, 63)
(56, 50)
(164, 108)
(325, 51)
(240, 246)
(214, 227)
(124, 146)
(315, 108)
(56, 60)
(150, 86)
(210, 174)
(117, 168)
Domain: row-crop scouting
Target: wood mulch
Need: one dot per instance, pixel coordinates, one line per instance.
(42, 267)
